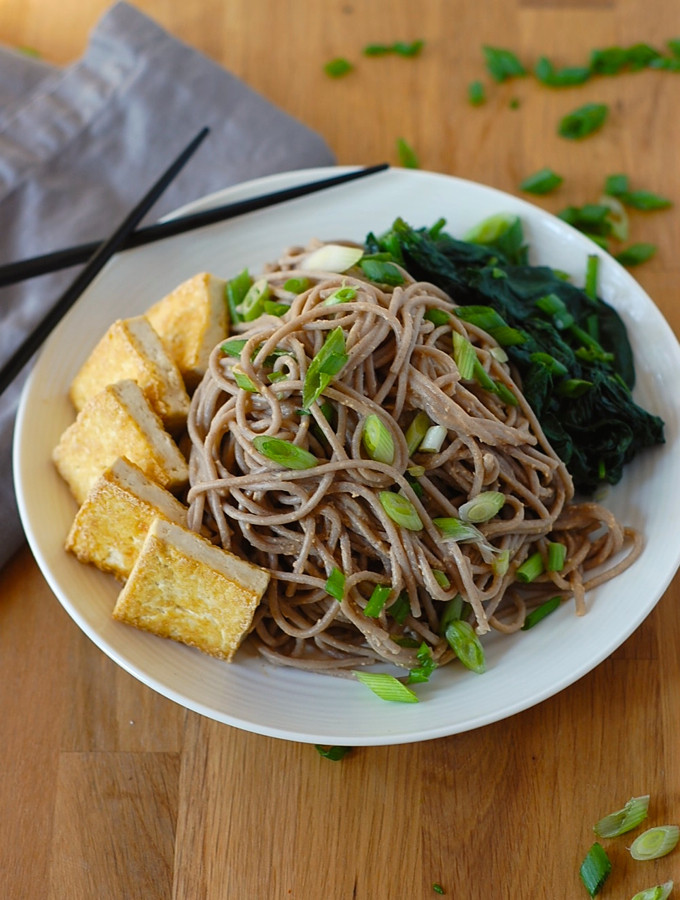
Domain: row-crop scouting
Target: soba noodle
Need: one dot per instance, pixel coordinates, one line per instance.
(304, 524)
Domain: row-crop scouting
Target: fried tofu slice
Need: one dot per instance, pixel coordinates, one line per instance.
(131, 349)
(184, 588)
(109, 528)
(118, 421)
(191, 321)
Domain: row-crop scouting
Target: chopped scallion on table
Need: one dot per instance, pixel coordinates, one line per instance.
(283, 452)
(595, 869)
(623, 820)
(583, 121)
(338, 67)
(542, 182)
(655, 842)
(659, 892)
(334, 753)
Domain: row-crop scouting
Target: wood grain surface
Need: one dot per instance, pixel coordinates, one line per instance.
(107, 790)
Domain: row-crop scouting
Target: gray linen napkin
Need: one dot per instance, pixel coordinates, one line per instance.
(79, 146)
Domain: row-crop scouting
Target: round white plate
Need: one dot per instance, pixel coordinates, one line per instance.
(523, 669)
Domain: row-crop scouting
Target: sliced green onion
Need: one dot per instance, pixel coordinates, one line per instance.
(554, 366)
(416, 431)
(623, 820)
(244, 381)
(342, 295)
(400, 509)
(333, 258)
(454, 529)
(542, 182)
(465, 643)
(433, 439)
(377, 439)
(336, 68)
(234, 347)
(452, 612)
(377, 600)
(655, 842)
(501, 563)
(574, 387)
(272, 308)
(284, 453)
(635, 254)
(297, 285)
(502, 64)
(557, 553)
(531, 568)
(416, 471)
(483, 507)
(437, 316)
(583, 121)
(505, 394)
(482, 377)
(334, 753)
(400, 608)
(437, 888)
(252, 304)
(592, 272)
(617, 216)
(595, 869)
(235, 290)
(387, 687)
(335, 584)
(407, 155)
(328, 362)
(489, 230)
(464, 356)
(660, 892)
(441, 578)
(476, 93)
(536, 615)
(421, 673)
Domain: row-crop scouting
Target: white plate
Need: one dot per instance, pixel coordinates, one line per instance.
(250, 694)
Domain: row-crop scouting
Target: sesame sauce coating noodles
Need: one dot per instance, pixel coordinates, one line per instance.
(328, 510)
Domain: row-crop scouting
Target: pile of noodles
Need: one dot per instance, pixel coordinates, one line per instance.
(303, 524)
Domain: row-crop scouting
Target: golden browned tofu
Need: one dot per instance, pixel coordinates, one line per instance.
(118, 421)
(109, 528)
(185, 588)
(191, 321)
(131, 349)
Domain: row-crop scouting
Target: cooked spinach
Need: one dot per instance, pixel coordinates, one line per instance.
(575, 359)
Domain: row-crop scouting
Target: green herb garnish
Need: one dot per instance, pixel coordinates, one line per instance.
(595, 869)
(542, 182)
(334, 753)
(338, 67)
(502, 64)
(407, 155)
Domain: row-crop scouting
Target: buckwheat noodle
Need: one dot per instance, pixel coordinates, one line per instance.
(301, 524)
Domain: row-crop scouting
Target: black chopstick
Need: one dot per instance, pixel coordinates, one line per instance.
(97, 261)
(62, 259)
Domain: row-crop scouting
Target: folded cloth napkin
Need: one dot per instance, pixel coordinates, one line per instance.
(79, 146)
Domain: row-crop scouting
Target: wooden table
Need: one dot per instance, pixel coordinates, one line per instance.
(110, 791)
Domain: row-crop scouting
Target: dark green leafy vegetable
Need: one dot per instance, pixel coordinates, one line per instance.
(596, 432)
(502, 64)
(583, 121)
(541, 182)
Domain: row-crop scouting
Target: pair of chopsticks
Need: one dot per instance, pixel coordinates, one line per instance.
(98, 253)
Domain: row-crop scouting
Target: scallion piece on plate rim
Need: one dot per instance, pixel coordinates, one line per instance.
(387, 687)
